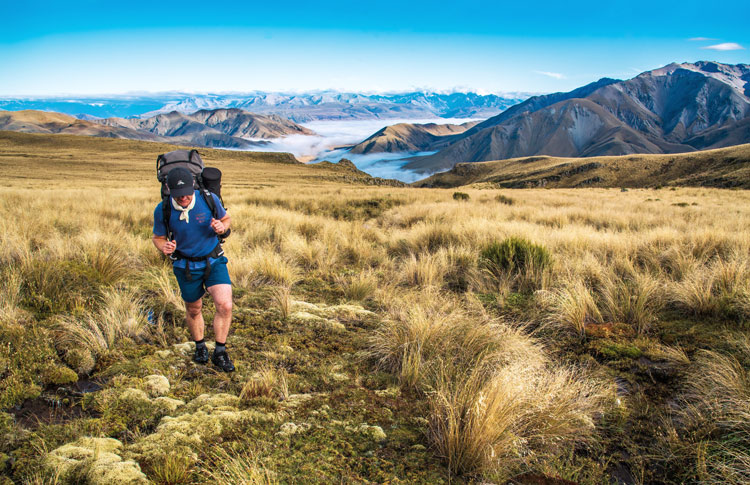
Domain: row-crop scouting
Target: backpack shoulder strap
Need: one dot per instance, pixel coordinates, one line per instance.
(166, 211)
(207, 196)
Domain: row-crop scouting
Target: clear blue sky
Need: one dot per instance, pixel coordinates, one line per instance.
(99, 46)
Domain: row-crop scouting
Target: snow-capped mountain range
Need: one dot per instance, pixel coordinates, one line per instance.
(298, 107)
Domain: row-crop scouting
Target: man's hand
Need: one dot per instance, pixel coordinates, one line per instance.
(218, 226)
(169, 247)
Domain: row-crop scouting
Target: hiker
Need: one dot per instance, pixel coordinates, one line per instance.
(199, 263)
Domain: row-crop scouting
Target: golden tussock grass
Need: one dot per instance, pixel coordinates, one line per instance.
(238, 468)
(573, 307)
(360, 286)
(120, 314)
(281, 298)
(266, 382)
(263, 265)
(493, 419)
(716, 412)
(491, 393)
(497, 398)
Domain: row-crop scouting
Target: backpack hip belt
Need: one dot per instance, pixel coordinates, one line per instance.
(215, 253)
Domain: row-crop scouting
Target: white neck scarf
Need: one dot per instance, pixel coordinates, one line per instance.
(185, 216)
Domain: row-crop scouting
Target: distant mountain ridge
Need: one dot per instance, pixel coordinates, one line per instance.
(221, 128)
(298, 107)
(722, 168)
(676, 108)
(409, 137)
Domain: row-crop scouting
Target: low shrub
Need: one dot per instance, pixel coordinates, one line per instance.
(504, 199)
(515, 255)
(527, 263)
(460, 196)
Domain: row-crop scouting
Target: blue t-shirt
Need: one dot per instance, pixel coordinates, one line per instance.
(195, 238)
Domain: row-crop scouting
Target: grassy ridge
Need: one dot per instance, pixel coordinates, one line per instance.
(32, 160)
(381, 334)
(724, 167)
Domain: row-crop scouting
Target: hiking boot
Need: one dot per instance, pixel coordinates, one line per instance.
(201, 355)
(222, 361)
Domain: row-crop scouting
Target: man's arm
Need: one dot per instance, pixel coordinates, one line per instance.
(220, 226)
(161, 243)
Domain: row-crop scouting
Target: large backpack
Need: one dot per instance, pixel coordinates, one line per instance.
(206, 180)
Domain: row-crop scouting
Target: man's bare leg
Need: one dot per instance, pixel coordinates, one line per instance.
(194, 317)
(222, 295)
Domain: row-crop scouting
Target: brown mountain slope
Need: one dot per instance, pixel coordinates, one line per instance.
(408, 137)
(724, 167)
(677, 108)
(229, 122)
(575, 127)
(30, 121)
(221, 128)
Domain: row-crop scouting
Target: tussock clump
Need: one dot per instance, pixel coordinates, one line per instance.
(281, 297)
(267, 382)
(573, 307)
(527, 263)
(165, 294)
(425, 270)
(503, 199)
(635, 300)
(120, 315)
(359, 287)
(428, 237)
(10, 295)
(240, 467)
(715, 418)
(413, 335)
(108, 254)
(171, 469)
(718, 289)
(461, 264)
(494, 403)
(426, 326)
(265, 266)
(492, 420)
(58, 285)
(321, 255)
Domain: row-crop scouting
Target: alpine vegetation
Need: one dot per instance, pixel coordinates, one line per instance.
(394, 334)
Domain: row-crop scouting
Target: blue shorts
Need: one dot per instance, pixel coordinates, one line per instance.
(194, 289)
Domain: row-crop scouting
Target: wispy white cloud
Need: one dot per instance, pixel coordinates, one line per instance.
(726, 46)
(555, 75)
(702, 38)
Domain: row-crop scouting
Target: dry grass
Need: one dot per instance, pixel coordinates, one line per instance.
(267, 382)
(359, 287)
(496, 398)
(635, 300)
(717, 412)
(493, 419)
(492, 397)
(10, 295)
(120, 315)
(282, 299)
(573, 307)
(264, 266)
(239, 468)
